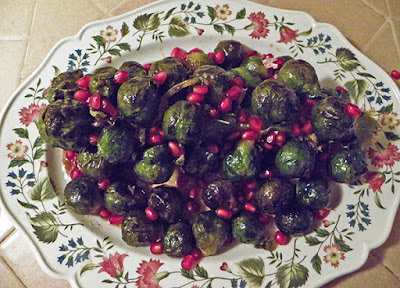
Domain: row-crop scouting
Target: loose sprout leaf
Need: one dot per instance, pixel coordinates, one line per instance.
(43, 190)
(346, 59)
(367, 130)
(252, 270)
(292, 275)
(45, 227)
(356, 88)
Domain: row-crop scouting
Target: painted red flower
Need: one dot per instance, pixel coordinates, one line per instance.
(17, 150)
(260, 25)
(113, 265)
(30, 114)
(333, 255)
(222, 12)
(390, 120)
(147, 272)
(287, 35)
(375, 180)
(385, 157)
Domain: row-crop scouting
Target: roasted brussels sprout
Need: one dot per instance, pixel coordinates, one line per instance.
(210, 232)
(167, 201)
(247, 228)
(347, 164)
(176, 70)
(83, 196)
(66, 124)
(242, 163)
(93, 164)
(133, 68)
(250, 78)
(275, 194)
(63, 86)
(313, 193)
(294, 222)
(156, 166)
(274, 102)
(234, 53)
(184, 122)
(198, 161)
(137, 230)
(197, 59)
(330, 121)
(121, 198)
(256, 65)
(138, 100)
(219, 194)
(102, 82)
(217, 129)
(178, 241)
(296, 158)
(117, 142)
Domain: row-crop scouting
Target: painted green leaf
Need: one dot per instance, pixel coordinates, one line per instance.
(211, 13)
(88, 267)
(178, 27)
(367, 75)
(322, 232)
(124, 29)
(356, 88)
(241, 14)
(386, 109)
(378, 202)
(306, 33)
(391, 136)
(38, 142)
(169, 13)
(27, 205)
(201, 272)
(17, 162)
(39, 153)
(45, 227)
(342, 245)
(218, 28)
(124, 46)
(316, 263)
(22, 132)
(147, 22)
(43, 190)
(312, 241)
(291, 275)
(346, 59)
(252, 270)
(115, 52)
(99, 40)
(187, 274)
(230, 29)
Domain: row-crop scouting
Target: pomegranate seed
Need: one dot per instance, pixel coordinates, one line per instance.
(69, 155)
(120, 76)
(83, 82)
(211, 54)
(188, 262)
(234, 93)
(252, 185)
(341, 89)
(191, 206)
(116, 219)
(103, 183)
(307, 128)
(195, 98)
(250, 207)
(154, 130)
(353, 110)
(213, 113)
(151, 214)
(219, 57)
(177, 53)
(175, 149)
(233, 136)
(93, 139)
(223, 213)
(213, 148)
(196, 50)
(266, 174)
(147, 67)
(251, 53)
(250, 135)
(267, 56)
(275, 76)
(196, 253)
(236, 82)
(255, 123)
(225, 105)
(322, 213)
(249, 195)
(156, 139)
(95, 101)
(268, 146)
(280, 238)
(279, 62)
(160, 77)
(243, 117)
(107, 107)
(192, 193)
(310, 102)
(280, 138)
(200, 89)
(75, 173)
(395, 74)
(271, 138)
(104, 213)
(156, 248)
(82, 96)
(296, 130)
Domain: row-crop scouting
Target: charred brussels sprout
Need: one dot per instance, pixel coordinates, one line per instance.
(167, 201)
(66, 124)
(274, 195)
(63, 86)
(137, 230)
(138, 100)
(121, 198)
(330, 121)
(242, 163)
(156, 165)
(217, 129)
(184, 122)
(294, 222)
(247, 228)
(274, 102)
(313, 193)
(102, 82)
(219, 194)
(296, 158)
(178, 241)
(133, 68)
(256, 65)
(347, 164)
(176, 71)
(234, 53)
(198, 161)
(197, 59)
(250, 78)
(117, 142)
(83, 196)
(210, 232)
(93, 164)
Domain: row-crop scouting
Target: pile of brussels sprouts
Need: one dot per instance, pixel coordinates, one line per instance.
(254, 137)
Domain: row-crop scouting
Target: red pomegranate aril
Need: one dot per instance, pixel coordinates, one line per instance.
(250, 207)
(69, 155)
(252, 185)
(196, 50)
(95, 101)
(191, 206)
(250, 135)
(266, 174)
(196, 253)
(281, 239)
(156, 248)
(83, 82)
(188, 262)
(236, 82)
(177, 52)
(395, 74)
(193, 193)
(104, 213)
(280, 138)
(151, 214)
(341, 89)
(116, 219)
(224, 213)
(234, 93)
(251, 53)
(200, 89)
(213, 113)
(147, 67)
(211, 54)
(279, 62)
(275, 76)
(107, 107)
(160, 77)
(310, 102)
(255, 123)
(93, 139)
(219, 57)
(75, 173)
(225, 105)
(120, 76)
(296, 130)
(249, 195)
(233, 136)
(175, 149)
(213, 148)
(195, 98)
(322, 213)
(267, 56)
(156, 139)
(154, 130)
(104, 183)
(82, 96)
(243, 117)
(353, 110)
(307, 128)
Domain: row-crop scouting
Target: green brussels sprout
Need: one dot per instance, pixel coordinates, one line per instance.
(274, 102)
(133, 68)
(117, 142)
(234, 53)
(250, 78)
(138, 100)
(247, 228)
(218, 81)
(83, 196)
(313, 193)
(176, 70)
(295, 221)
(63, 86)
(219, 194)
(217, 129)
(347, 164)
(197, 59)
(274, 195)
(184, 122)
(242, 163)
(178, 241)
(66, 124)
(330, 121)
(93, 164)
(198, 161)
(210, 232)
(137, 230)
(255, 64)
(167, 201)
(156, 165)
(102, 82)
(296, 158)
(120, 198)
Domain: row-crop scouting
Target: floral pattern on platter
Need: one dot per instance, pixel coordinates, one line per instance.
(30, 185)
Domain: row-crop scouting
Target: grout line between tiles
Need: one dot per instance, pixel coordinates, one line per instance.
(396, 42)
(11, 269)
(372, 38)
(101, 8)
(6, 236)
(386, 267)
(379, 12)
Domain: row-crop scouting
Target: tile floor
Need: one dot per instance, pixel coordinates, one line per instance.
(30, 28)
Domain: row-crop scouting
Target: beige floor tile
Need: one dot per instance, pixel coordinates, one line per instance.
(6, 227)
(16, 18)
(8, 277)
(106, 5)
(378, 5)
(126, 6)
(394, 8)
